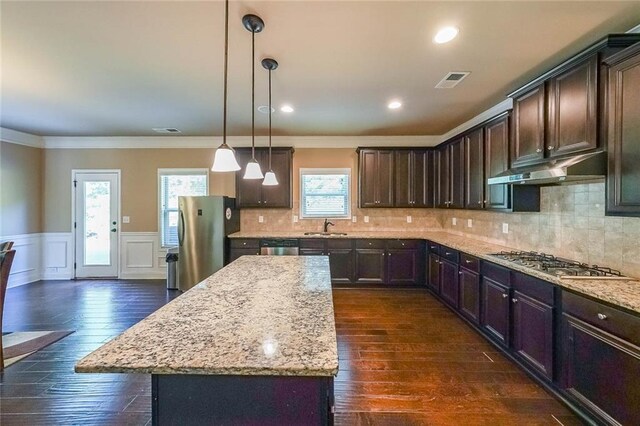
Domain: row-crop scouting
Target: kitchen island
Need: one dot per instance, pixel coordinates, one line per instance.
(253, 343)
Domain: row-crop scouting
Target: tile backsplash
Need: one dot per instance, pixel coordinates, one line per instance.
(571, 224)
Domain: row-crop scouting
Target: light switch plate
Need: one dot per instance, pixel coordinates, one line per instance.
(408, 219)
(505, 228)
(366, 219)
(469, 223)
(295, 218)
(126, 219)
(354, 219)
(260, 219)
(454, 221)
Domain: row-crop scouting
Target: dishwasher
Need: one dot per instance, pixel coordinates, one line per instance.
(279, 247)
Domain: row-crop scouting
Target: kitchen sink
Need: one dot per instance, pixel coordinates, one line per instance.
(325, 234)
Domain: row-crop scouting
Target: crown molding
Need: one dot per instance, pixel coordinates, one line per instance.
(635, 29)
(21, 138)
(160, 142)
(503, 106)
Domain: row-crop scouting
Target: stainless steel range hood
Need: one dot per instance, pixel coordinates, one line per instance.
(578, 168)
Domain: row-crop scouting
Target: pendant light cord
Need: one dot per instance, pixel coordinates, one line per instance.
(226, 61)
(253, 95)
(270, 119)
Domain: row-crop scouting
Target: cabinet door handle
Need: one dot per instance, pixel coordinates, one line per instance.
(550, 148)
(244, 244)
(602, 316)
(480, 202)
(467, 261)
(505, 295)
(514, 300)
(389, 254)
(459, 272)
(538, 150)
(446, 253)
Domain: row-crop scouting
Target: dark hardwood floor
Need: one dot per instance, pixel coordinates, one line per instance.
(405, 359)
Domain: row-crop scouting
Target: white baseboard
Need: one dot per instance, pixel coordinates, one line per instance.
(49, 256)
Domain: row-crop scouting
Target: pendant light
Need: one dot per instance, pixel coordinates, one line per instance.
(254, 24)
(225, 159)
(270, 177)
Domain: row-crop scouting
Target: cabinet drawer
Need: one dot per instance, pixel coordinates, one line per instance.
(449, 254)
(496, 273)
(311, 243)
(533, 287)
(404, 244)
(370, 244)
(245, 243)
(621, 324)
(469, 262)
(433, 247)
(339, 243)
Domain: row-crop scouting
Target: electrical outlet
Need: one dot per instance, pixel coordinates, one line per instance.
(295, 218)
(126, 219)
(505, 228)
(469, 223)
(260, 219)
(408, 219)
(354, 219)
(366, 219)
(454, 221)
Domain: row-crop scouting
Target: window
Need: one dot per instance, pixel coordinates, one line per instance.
(172, 184)
(325, 193)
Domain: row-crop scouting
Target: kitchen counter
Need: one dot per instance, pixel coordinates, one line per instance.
(624, 293)
(260, 315)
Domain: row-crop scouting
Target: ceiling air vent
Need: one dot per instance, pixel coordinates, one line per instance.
(452, 79)
(166, 130)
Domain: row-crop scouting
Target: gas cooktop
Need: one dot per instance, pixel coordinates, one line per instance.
(559, 267)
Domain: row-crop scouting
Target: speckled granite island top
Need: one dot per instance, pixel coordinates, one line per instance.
(260, 315)
(623, 293)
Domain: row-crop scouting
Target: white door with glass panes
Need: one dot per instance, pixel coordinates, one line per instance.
(96, 224)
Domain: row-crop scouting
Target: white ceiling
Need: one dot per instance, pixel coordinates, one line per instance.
(119, 68)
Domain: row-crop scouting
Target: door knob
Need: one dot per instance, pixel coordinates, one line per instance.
(602, 316)
(505, 295)
(114, 230)
(538, 150)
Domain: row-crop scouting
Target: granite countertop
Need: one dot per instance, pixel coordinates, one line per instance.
(624, 292)
(260, 315)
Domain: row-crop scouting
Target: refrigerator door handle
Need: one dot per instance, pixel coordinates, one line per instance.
(181, 234)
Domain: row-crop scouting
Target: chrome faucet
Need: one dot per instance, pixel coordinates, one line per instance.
(326, 225)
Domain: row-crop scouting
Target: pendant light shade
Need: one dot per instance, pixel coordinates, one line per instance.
(253, 170)
(270, 177)
(225, 158)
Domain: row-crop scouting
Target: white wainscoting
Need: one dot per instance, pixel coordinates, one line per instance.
(27, 263)
(141, 256)
(49, 256)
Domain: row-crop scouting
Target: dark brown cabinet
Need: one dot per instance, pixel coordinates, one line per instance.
(449, 282)
(527, 144)
(469, 286)
(474, 164)
(242, 247)
(376, 173)
(601, 359)
(623, 134)
(457, 174)
(449, 158)
(413, 178)
(495, 315)
(442, 191)
(533, 332)
(572, 109)
(251, 193)
(496, 161)
(370, 266)
(405, 265)
(341, 260)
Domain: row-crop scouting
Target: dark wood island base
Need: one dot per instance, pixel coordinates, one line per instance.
(186, 399)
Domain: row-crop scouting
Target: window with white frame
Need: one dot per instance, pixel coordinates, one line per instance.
(324, 193)
(173, 183)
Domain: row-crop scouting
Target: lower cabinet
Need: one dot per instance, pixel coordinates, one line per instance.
(390, 262)
(370, 266)
(449, 282)
(242, 247)
(341, 261)
(469, 285)
(533, 333)
(495, 308)
(601, 359)
(433, 280)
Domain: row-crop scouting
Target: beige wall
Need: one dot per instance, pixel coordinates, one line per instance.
(379, 219)
(139, 185)
(571, 224)
(20, 189)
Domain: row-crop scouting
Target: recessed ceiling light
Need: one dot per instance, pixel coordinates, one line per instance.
(265, 109)
(394, 105)
(445, 35)
(286, 108)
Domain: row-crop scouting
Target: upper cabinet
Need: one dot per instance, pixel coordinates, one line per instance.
(250, 193)
(496, 161)
(450, 172)
(413, 178)
(559, 113)
(623, 133)
(376, 177)
(474, 164)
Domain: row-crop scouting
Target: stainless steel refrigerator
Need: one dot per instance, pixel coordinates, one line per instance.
(203, 225)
